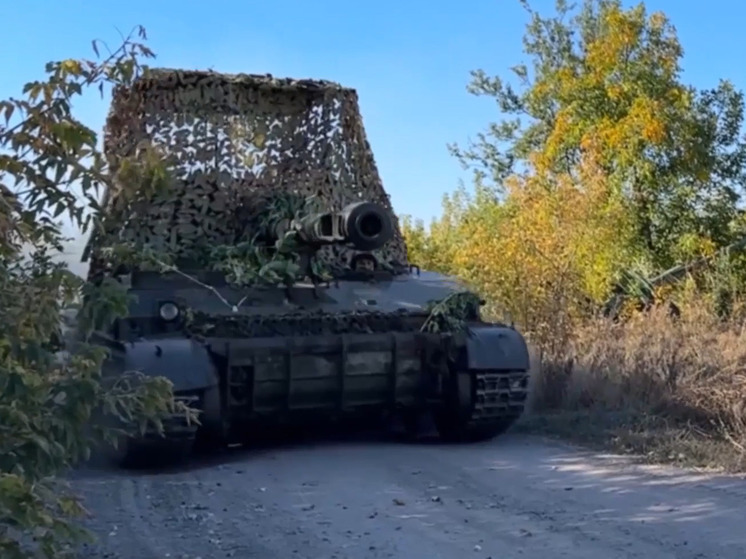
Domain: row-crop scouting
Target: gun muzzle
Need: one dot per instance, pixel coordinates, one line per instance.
(366, 225)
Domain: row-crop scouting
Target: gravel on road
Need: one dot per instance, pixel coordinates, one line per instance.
(514, 497)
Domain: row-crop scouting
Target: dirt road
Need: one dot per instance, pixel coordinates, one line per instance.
(513, 497)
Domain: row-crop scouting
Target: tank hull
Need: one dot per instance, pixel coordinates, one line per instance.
(474, 384)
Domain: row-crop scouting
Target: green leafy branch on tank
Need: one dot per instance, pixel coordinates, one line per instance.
(452, 313)
(268, 251)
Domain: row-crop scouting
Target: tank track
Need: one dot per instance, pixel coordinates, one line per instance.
(499, 399)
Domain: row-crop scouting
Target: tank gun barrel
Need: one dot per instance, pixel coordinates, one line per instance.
(678, 272)
(643, 288)
(365, 225)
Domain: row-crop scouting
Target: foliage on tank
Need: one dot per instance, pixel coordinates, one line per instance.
(453, 312)
(269, 246)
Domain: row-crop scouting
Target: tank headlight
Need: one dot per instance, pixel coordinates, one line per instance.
(169, 312)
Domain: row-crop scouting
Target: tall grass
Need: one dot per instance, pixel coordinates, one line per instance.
(667, 387)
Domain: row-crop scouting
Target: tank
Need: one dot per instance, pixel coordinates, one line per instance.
(292, 299)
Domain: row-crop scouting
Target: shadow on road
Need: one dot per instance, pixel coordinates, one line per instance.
(165, 462)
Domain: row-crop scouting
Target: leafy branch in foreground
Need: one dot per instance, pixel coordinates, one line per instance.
(51, 401)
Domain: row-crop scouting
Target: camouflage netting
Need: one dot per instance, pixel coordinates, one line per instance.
(305, 323)
(229, 137)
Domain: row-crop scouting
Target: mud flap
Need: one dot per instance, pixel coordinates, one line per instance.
(496, 348)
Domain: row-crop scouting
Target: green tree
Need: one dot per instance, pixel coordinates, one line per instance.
(608, 79)
(49, 401)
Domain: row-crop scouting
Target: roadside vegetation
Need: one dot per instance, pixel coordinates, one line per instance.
(55, 407)
(606, 170)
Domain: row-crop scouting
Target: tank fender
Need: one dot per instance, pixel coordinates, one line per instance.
(186, 363)
(496, 348)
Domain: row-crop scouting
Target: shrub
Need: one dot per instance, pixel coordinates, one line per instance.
(51, 402)
(669, 387)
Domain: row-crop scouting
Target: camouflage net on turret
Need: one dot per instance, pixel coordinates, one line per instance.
(228, 139)
(448, 315)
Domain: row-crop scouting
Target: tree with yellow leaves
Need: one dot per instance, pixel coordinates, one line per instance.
(542, 253)
(611, 77)
(606, 161)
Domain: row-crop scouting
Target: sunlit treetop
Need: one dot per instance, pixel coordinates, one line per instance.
(606, 79)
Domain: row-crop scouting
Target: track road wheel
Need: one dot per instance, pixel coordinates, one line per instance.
(137, 453)
(212, 434)
(407, 425)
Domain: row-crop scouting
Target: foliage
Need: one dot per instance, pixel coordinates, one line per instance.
(663, 388)
(267, 248)
(270, 250)
(50, 401)
(606, 170)
(607, 79)
(541, 255)
(609, 176)
(437, 245)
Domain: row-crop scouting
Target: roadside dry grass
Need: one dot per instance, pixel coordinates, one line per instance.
(669, 390)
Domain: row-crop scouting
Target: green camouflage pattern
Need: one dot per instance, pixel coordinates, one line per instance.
(228, 139)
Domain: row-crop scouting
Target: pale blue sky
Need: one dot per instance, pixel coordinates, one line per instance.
(408, 59)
